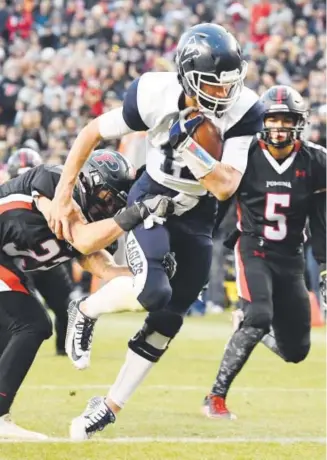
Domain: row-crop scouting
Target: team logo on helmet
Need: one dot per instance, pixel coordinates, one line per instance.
(192, 48)
(107, 158)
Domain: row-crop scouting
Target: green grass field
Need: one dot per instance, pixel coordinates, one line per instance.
(281, 407)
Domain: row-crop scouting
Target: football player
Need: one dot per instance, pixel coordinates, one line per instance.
(28, 245)
(209, 79)
(284, 185)
(55, 286)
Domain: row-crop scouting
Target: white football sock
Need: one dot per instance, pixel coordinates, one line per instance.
(131, 375)
(114, 297)
(134, 371)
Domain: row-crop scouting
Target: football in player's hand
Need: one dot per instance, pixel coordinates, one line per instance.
(208, 136)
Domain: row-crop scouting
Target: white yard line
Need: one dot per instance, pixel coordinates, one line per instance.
(186, 440)
(74, 387)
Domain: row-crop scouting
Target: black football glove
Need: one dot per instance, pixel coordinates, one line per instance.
(159, 207)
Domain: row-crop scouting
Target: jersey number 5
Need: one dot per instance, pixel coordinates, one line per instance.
(279, 231)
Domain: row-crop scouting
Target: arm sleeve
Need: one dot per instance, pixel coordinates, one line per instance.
(250, 124)
(317, 215)
(131, 110)
(238, 138)
(319, 169)
(317, 223)
(236, 151)
(45, 181)
(112, 124)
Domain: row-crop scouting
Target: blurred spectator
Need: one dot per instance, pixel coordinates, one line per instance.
(65, 62)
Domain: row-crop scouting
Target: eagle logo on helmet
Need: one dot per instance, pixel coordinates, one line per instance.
(192, 48)
(107, 158)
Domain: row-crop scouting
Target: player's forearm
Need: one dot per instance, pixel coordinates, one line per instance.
(83, 145)
(92, 237)
(102, 265)
(222, 181)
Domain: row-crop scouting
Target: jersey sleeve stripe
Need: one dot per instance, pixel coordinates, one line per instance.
(131, 113)
(9, 281)
(16, 197)
(15, 201)
(15, 205)
(250, 124)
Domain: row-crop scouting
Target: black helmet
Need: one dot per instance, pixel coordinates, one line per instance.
(22, 160)
(284, 99)
(105, 181)
(209, 54)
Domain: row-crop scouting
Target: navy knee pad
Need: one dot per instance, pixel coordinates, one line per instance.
(159, 329)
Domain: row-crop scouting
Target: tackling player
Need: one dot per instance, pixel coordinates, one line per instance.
(284, 185)
(55, 286)
(28, 245)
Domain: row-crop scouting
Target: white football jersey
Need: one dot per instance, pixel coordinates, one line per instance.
(155, 99)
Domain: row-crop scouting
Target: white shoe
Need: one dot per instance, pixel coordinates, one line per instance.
(214, 308)
(8, 429)
(96, 417)
(79, 335)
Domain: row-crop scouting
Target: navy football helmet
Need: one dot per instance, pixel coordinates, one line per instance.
(105, 181)
(22, 160)
(283, 99)
(209, 54)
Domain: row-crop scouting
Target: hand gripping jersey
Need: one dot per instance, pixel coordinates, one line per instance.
(275, 198)
(24, 232)
(153, 101)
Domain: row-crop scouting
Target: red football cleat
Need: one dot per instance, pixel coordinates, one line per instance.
(215, 407)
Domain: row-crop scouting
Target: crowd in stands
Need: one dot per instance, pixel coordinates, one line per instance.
(64, 62)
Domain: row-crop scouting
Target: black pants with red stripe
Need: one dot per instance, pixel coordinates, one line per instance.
(24, 325)
(273, 293)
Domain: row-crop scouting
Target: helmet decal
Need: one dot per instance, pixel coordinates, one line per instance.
(108, 159)
(192, 48)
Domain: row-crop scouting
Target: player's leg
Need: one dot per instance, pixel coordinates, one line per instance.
(27, 325)
(146, 251)
(292, 322)
(254, 282)
(193, 256)
(55, 286)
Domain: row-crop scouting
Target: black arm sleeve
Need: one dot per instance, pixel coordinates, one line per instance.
(46, 180)
(317, 223)
(317, 214)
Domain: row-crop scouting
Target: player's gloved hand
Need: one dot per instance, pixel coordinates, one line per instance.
(184, 127)
(169, 264)
(151, 210)
(323, 287)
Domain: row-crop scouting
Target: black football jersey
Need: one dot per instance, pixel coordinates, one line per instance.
(24, 232)
(275, 198)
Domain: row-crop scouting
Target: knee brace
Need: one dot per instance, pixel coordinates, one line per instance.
(159, 329)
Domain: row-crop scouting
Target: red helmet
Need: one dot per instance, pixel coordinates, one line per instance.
(105, 181)
(284, 99)
(22, 160)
